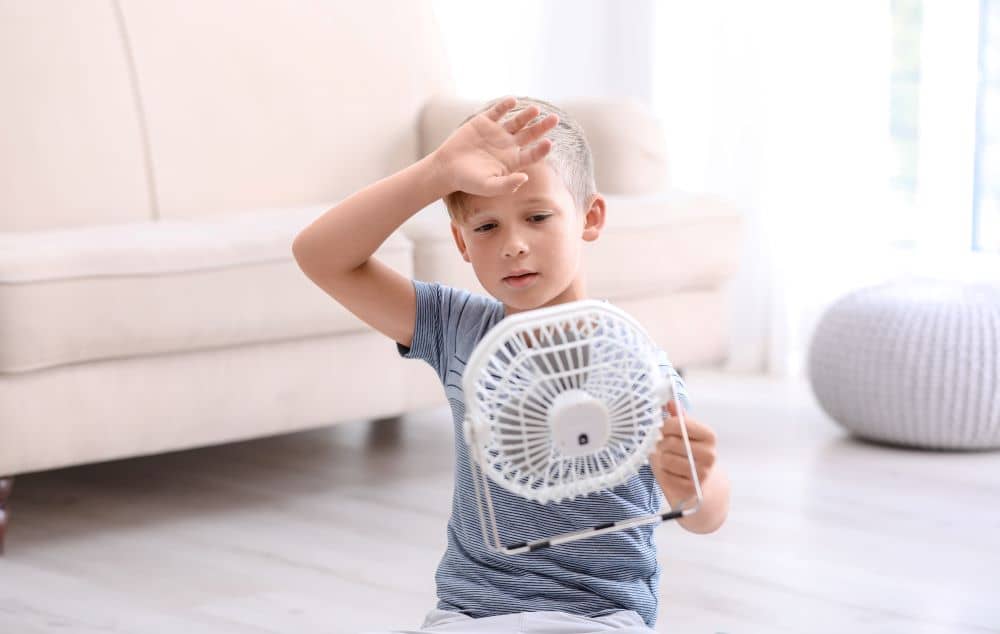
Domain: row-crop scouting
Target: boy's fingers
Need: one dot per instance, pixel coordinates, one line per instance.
(676, 466)
(674, 446)
(500, 108)
(500, 185)
(529, 155)
(521, 119)
(672, 407)
(533, 132)
(695, 430)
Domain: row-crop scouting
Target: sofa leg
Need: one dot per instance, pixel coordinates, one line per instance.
(6, 486)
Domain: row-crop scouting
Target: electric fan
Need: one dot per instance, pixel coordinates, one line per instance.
(562, 402)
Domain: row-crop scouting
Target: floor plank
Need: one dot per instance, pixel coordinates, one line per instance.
(298, 532)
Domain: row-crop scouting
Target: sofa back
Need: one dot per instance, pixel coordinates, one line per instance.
(140, 110)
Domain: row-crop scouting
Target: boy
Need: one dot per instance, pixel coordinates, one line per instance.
(520, 221)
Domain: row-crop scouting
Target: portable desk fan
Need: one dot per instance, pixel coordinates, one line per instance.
(562, 402)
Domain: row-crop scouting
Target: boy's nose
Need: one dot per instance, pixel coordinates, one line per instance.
(514, 249)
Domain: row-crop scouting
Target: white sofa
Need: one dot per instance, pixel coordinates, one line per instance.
(160, 157)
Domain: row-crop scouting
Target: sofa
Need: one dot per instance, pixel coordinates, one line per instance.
(160, 157)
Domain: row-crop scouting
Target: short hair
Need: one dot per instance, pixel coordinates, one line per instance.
(570, 157)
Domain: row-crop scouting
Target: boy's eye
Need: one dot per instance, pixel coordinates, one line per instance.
(536, 218)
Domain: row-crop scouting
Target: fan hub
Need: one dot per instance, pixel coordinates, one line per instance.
(578, 423)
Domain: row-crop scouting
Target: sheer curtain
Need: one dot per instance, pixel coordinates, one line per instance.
(782, 107)
(550, 49)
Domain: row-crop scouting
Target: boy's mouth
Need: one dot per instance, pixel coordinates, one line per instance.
(520, 281)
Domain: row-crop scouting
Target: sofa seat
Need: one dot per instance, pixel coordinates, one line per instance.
(128, 290)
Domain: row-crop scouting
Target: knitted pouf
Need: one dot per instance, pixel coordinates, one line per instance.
(914, 363)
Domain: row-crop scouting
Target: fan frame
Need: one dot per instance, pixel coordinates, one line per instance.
(539, 318)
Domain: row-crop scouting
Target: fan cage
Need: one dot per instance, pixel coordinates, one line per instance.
(600, 351)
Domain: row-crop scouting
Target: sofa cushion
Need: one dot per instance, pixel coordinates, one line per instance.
(279, 104)
(111, 291)
(649, 246)
(72, 148)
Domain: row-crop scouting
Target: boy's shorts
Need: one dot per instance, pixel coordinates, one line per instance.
(444, 621)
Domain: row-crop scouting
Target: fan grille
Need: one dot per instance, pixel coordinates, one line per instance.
(596, 351)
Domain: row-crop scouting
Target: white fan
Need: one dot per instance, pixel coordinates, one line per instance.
(562, 402)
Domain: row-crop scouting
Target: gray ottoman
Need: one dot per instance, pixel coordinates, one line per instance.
(913, 362)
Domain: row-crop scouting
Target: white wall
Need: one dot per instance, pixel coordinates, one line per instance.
(550, 50)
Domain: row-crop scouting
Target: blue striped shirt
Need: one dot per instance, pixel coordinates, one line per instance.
(590, 577)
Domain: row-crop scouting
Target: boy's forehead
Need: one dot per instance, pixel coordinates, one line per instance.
(543, 187)
(481, 205)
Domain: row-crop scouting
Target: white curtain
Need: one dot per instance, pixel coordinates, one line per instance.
(551, 49)
(782, 107)
(492, 48)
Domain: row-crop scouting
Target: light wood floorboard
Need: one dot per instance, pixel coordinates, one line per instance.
(340, 530)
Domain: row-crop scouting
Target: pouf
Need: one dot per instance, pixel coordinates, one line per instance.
(913, 362)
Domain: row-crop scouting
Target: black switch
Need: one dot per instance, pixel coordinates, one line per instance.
(582, 439)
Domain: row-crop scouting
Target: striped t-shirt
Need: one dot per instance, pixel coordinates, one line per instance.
(589, 577)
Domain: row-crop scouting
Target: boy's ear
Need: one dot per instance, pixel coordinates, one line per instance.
(593, 221)
(459, 241)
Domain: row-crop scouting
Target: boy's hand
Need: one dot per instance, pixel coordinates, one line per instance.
(483, 157)
(669, 459)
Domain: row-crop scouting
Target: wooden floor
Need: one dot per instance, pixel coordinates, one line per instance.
(340, 530)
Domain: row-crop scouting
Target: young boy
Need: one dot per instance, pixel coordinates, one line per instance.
(520, 221)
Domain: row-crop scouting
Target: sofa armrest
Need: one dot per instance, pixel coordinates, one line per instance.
(627, 142)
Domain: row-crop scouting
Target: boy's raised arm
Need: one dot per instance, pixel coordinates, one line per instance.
(344, 237)
(481, 157)
(335, 251)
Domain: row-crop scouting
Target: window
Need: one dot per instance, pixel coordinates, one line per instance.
(904, 96)
(986, 196)
(945, 125)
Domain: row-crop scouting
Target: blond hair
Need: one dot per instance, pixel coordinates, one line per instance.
(569, 158)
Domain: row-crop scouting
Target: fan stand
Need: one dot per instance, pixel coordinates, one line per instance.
(491, 534)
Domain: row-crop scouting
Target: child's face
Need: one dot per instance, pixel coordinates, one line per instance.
(537, 229)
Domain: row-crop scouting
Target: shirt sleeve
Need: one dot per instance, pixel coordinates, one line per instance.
(428, 328)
